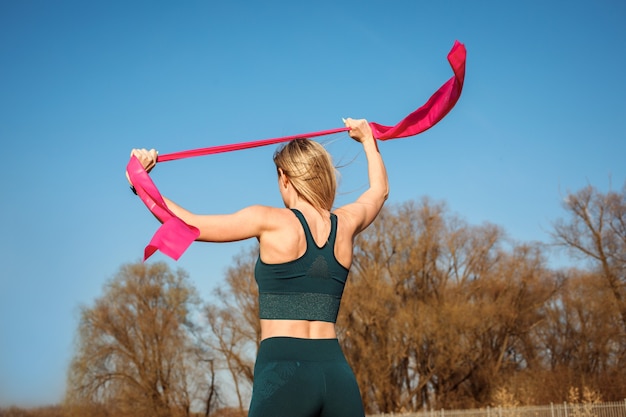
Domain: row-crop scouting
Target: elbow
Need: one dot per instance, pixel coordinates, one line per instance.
(385, 190)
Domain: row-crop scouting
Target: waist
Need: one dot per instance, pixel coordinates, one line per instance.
(301, 329)
(295, 349)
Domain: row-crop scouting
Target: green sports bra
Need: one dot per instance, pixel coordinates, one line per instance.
(307, 288)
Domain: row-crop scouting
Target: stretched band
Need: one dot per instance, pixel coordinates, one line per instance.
(244, 145)
(174, 235)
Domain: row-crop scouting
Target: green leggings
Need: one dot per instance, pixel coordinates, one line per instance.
(303, 378)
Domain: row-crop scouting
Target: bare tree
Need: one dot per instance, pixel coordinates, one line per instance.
(438, 312)
(580, 341)
(135, 352)
(235, 331)
(596, 231)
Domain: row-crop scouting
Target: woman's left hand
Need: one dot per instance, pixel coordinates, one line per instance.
(147, 158)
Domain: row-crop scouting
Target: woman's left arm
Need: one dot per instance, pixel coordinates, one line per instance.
(246, 223)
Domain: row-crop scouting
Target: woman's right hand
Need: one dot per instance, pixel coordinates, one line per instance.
(360, 129)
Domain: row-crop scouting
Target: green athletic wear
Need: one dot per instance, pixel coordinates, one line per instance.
(303, 378)
(307, 288)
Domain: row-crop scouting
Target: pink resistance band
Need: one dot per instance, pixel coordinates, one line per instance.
(174, 236)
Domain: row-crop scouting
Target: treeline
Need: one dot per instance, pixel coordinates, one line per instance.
(437, 314)
(49, 411)
(442, 314)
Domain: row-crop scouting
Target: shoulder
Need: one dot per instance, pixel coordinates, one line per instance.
(358, 215)
(271, 217)
(347, 220)
(264, 212)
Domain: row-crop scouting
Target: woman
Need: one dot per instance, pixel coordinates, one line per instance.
(305, 254)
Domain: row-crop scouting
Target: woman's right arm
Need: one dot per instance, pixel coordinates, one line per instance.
(364, 210)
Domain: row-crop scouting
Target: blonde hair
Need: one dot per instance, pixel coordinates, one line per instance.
(310, 169)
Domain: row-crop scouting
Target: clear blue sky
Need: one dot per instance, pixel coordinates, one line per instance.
(83, 82)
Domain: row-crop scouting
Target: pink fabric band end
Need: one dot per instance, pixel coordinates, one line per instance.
(174, 236)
